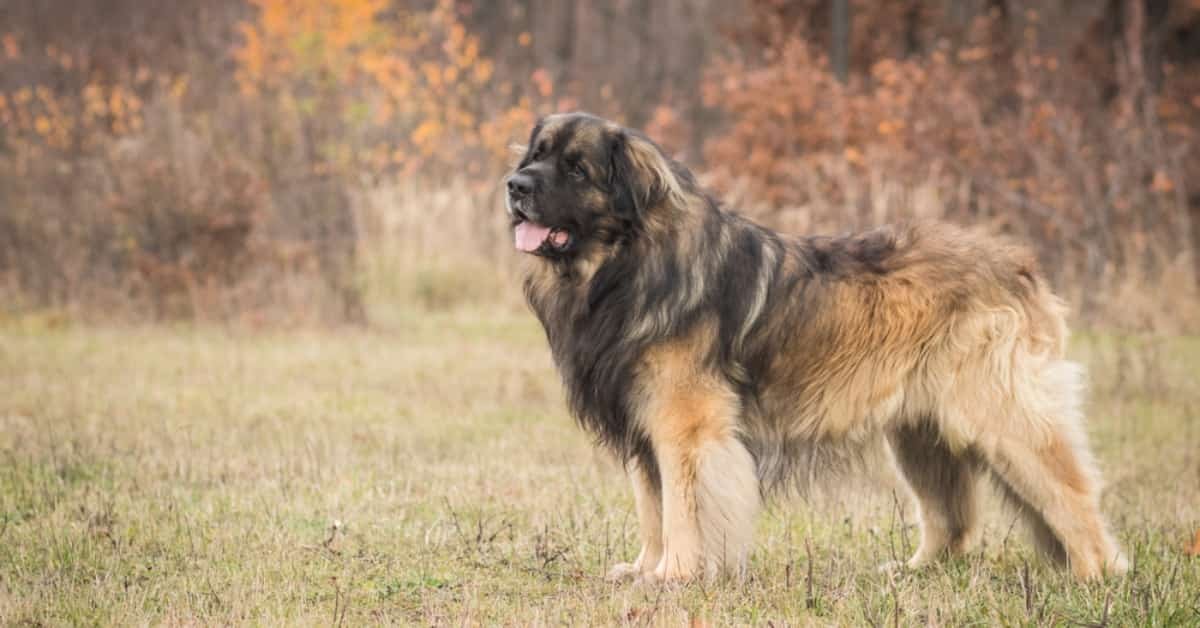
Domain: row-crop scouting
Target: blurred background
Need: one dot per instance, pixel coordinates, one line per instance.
(328, 161)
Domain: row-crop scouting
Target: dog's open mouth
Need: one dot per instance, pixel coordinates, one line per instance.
(530, 236)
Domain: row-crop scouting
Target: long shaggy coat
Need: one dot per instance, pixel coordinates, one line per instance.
(713, 356)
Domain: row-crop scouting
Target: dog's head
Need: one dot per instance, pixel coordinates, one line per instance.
(585, 182)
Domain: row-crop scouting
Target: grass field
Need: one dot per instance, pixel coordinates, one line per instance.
(425, 472)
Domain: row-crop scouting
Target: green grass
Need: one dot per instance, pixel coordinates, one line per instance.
(194, 475)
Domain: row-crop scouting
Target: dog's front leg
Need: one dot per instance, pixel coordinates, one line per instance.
(710, 492)
(648, 500)
(707, 477)
(681, 557)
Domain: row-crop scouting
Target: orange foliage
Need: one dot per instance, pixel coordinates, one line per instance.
(1083, 148)
(200, 184)
(992, 124)
(36, 116)
(418, 81)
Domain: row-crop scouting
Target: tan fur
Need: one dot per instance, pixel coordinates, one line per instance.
(1060, 460)
(650, 161)
(709, 490)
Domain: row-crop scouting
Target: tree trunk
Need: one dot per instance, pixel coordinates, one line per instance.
(840, 42)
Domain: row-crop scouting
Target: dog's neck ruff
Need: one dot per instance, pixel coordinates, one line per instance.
(599, 323)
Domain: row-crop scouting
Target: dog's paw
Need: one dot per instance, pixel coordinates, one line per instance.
(896, 567)
(663, 575)
(1117, 565)
(624, 571)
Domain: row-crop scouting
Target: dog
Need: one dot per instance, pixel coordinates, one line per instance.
(712, 356)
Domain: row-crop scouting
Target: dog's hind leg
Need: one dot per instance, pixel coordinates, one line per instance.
(1044, 538)
(1040, 454)
(945, 484)
(648, 501)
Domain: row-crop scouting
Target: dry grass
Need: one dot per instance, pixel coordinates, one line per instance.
(425, 472)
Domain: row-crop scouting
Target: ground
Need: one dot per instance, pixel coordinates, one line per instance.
(424, 471)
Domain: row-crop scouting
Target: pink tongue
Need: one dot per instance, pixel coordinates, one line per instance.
(530, 236)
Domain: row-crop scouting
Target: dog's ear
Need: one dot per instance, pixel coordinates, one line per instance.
(518, 151)
(640, 176)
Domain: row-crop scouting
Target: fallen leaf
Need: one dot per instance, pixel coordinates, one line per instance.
(1194, 548)
(1161, 182)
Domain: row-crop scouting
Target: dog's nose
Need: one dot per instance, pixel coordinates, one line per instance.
(520, 185)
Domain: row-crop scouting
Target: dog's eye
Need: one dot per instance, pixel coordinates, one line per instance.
(537, 152)
(577, 171)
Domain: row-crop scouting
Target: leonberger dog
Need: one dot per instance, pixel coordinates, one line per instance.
(713, 356)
